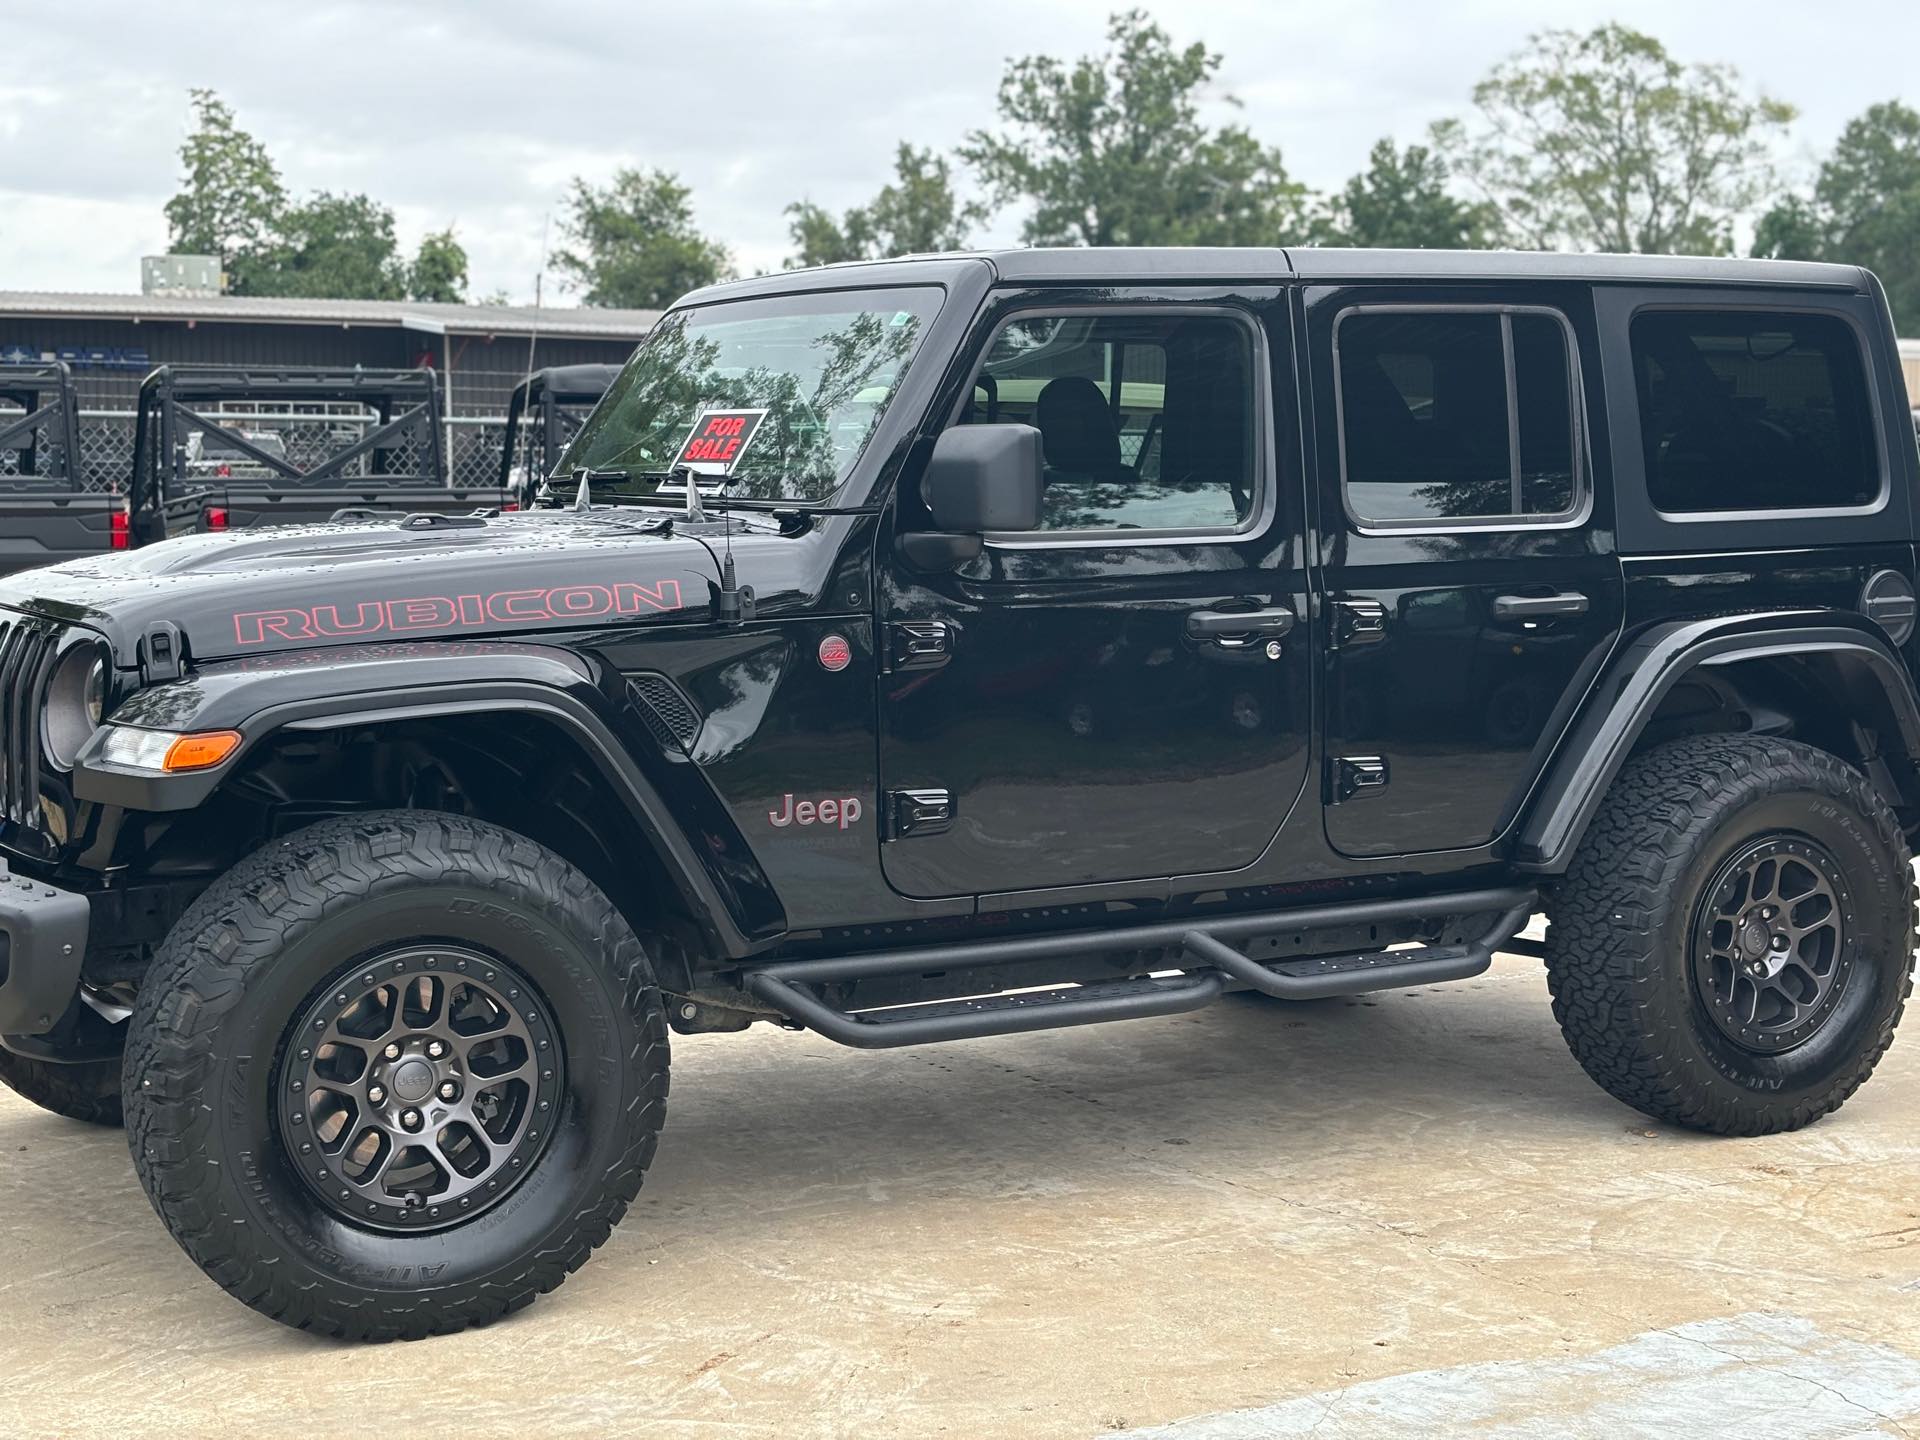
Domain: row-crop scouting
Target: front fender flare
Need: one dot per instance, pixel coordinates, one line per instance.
(1641, 676)
(360, 685)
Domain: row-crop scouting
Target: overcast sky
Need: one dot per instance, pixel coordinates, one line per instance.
(475, 113)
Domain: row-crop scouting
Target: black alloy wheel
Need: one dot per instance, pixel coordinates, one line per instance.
(1771, 943)
(416, 1090)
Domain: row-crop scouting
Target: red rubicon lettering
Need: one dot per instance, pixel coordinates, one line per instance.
(367, 617)
(580, 600)
(507, 605)
(413, 613)
(255, 626)
(423, 612)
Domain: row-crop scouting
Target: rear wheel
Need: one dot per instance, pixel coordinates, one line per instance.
(441, 1070)
(1733, 943)
(88, 1090)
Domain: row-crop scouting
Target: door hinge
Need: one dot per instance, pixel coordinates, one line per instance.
(920, 644)
(913, 813)
(1358, 622)
(1352, 775)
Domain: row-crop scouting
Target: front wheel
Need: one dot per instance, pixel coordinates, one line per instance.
(1733, 943)
(395, 1075)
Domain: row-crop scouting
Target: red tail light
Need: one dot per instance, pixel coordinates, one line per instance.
(225, 472)
(119, 528)
(509, 505)
(216, 517)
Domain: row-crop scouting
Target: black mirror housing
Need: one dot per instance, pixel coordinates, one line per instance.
(984, 478)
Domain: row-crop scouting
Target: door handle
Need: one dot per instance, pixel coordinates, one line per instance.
(1231, 629)
(1539, 607)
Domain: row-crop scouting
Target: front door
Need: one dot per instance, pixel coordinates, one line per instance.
(1471, 583)
(1121, 695)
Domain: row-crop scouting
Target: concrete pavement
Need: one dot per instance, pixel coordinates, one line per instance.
(1406, 1215)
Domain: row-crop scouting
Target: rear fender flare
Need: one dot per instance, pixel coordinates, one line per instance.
(1647, 669)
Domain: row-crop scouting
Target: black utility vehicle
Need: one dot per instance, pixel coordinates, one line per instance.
(968, 645)
(52, 507)
(223, 447)
(544, 413)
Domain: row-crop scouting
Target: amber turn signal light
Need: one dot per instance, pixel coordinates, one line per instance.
(197, 752)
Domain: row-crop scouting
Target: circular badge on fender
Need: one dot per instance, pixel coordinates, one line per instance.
(835, 652)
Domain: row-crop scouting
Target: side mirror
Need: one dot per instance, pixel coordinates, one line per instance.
(979, 479)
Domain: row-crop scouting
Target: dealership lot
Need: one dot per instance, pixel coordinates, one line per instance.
(1365, 1215)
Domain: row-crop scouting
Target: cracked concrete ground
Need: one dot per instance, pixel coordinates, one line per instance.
(1410, 1215)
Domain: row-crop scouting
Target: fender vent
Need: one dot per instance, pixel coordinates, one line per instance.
(665, 710)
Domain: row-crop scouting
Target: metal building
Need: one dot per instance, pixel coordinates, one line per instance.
(480, 351)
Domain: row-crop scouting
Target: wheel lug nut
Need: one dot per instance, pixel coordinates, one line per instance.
(376, 1093)
(392, 1052)
(410, 1119)
(435, 1049)
(448, 1089)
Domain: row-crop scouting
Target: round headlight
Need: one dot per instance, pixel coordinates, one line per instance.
(76, 702)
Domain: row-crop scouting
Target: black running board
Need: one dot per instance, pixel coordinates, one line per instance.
(1209, 962)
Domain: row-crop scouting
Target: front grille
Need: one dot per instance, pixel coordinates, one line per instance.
(28, 650)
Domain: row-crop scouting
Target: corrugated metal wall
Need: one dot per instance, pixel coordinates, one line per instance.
(113, 355)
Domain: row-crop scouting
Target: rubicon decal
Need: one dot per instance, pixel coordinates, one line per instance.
(416, 613)
(841, 810)
(835, 653)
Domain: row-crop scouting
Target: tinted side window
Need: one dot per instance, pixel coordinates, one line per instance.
(1146, 420)
(1743, 410)
(1456, 415)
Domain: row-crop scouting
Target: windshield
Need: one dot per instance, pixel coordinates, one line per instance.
(798, 381)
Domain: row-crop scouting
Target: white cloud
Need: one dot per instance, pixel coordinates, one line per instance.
(478, 115)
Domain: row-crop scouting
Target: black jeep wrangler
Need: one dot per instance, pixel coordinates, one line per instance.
(969, 645)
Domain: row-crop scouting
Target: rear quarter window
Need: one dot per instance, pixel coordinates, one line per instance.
(1754, 411)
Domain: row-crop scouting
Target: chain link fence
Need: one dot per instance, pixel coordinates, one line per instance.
(38, 450)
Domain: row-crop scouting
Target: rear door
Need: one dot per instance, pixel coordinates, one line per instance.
(1121, 696)
(1471, 581)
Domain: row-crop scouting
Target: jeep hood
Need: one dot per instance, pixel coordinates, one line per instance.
(258, 591)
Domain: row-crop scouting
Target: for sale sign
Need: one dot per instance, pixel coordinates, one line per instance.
(718, 440)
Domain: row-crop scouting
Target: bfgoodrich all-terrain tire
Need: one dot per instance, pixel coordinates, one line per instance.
(395, 1075)
(1733, 943)
(88, 1091)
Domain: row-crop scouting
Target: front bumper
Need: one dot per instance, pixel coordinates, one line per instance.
(43, 937)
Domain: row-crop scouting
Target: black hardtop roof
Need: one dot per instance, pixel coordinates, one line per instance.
(577, 382)
(1174, 264)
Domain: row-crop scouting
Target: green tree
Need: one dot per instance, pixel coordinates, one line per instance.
(634, 242)
(329, 247)
(230, 193)
(1865, 207)
(1604, 141)
(1401, 201)
(917, 213)
(439, 269)
(1112, 150)
(819, 236)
